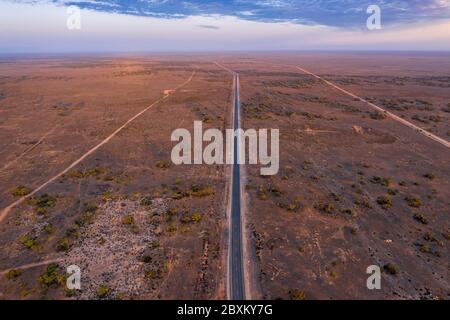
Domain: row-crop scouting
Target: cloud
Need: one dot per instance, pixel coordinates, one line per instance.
(343, 13)
(205, 26)
(42, 28)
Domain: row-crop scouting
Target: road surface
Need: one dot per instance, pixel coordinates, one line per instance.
(236, 273)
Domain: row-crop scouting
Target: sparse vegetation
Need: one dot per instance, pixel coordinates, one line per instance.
(63, 244)
(429, 176)
(92, 172)
(88, 214)
(48, 228)
(171, 228)
(390, 269)
(336, 197)
(421, 218)
(275, 191)
(146, 201)
(72, 231)
(385, 202)
(146, 258)
(378, 115)
(90, 207)
(446, 235)
(429, 237)
(178, 195)
(27, 242)
(196, 217)
(202, 191)
(102, 292)
(392, 192)
(107, 196)
(128, 220)
(43, 203)
(327, 207)
(20, 191)
(413, 202)
(161, 164)
(51, 277)
(195, 191)
(157, 273)
(170, 213)
(386, 182)
(262, 195)
(297, 295)
(14, 274)
(291, 207)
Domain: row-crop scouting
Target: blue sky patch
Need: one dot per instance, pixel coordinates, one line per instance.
(343, 13)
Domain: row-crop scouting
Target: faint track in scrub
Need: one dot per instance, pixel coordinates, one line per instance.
(379, 109)
(27, 150)
(394, 117)
(4, 213)
(31, 265)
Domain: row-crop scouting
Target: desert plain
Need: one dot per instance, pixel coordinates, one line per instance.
(356, 187)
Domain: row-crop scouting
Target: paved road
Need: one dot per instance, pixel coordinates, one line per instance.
(236, 273)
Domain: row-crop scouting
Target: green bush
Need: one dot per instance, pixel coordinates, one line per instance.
(51, 277)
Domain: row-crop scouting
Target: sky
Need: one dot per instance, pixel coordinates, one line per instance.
(39, 26)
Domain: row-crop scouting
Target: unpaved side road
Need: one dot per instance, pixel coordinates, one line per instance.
(4, 213)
